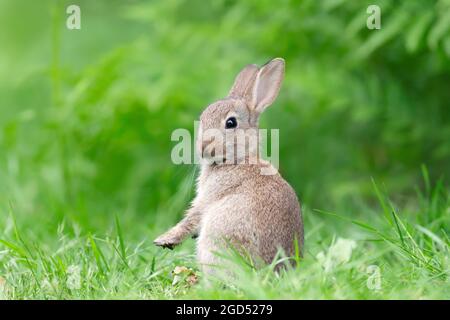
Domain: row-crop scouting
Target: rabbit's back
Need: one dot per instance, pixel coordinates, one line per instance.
(277, 216)
(258, 213)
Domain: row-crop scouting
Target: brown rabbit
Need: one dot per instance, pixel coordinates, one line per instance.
(241, 199)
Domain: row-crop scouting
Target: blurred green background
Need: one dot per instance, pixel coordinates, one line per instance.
(86, 115)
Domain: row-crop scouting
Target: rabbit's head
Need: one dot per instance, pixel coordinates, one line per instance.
(228, 130)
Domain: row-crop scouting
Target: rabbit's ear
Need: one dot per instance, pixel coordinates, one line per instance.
(244, 82)
(267, 84)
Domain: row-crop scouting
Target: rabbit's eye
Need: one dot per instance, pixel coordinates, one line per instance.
(231, 123)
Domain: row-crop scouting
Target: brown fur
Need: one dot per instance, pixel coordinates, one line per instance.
(235, 203)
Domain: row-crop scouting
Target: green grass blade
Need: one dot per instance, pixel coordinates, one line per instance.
(120, 237)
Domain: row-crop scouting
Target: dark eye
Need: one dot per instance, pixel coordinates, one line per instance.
(231, 123)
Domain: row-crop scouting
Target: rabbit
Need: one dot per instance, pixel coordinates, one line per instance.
(237, 202)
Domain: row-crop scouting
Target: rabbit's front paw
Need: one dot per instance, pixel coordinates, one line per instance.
(167, 241)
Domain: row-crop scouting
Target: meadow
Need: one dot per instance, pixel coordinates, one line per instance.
(86, 178)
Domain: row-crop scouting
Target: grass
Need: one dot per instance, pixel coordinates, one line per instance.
(407, 256)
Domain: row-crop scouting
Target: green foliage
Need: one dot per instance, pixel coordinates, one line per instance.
(86, 117)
